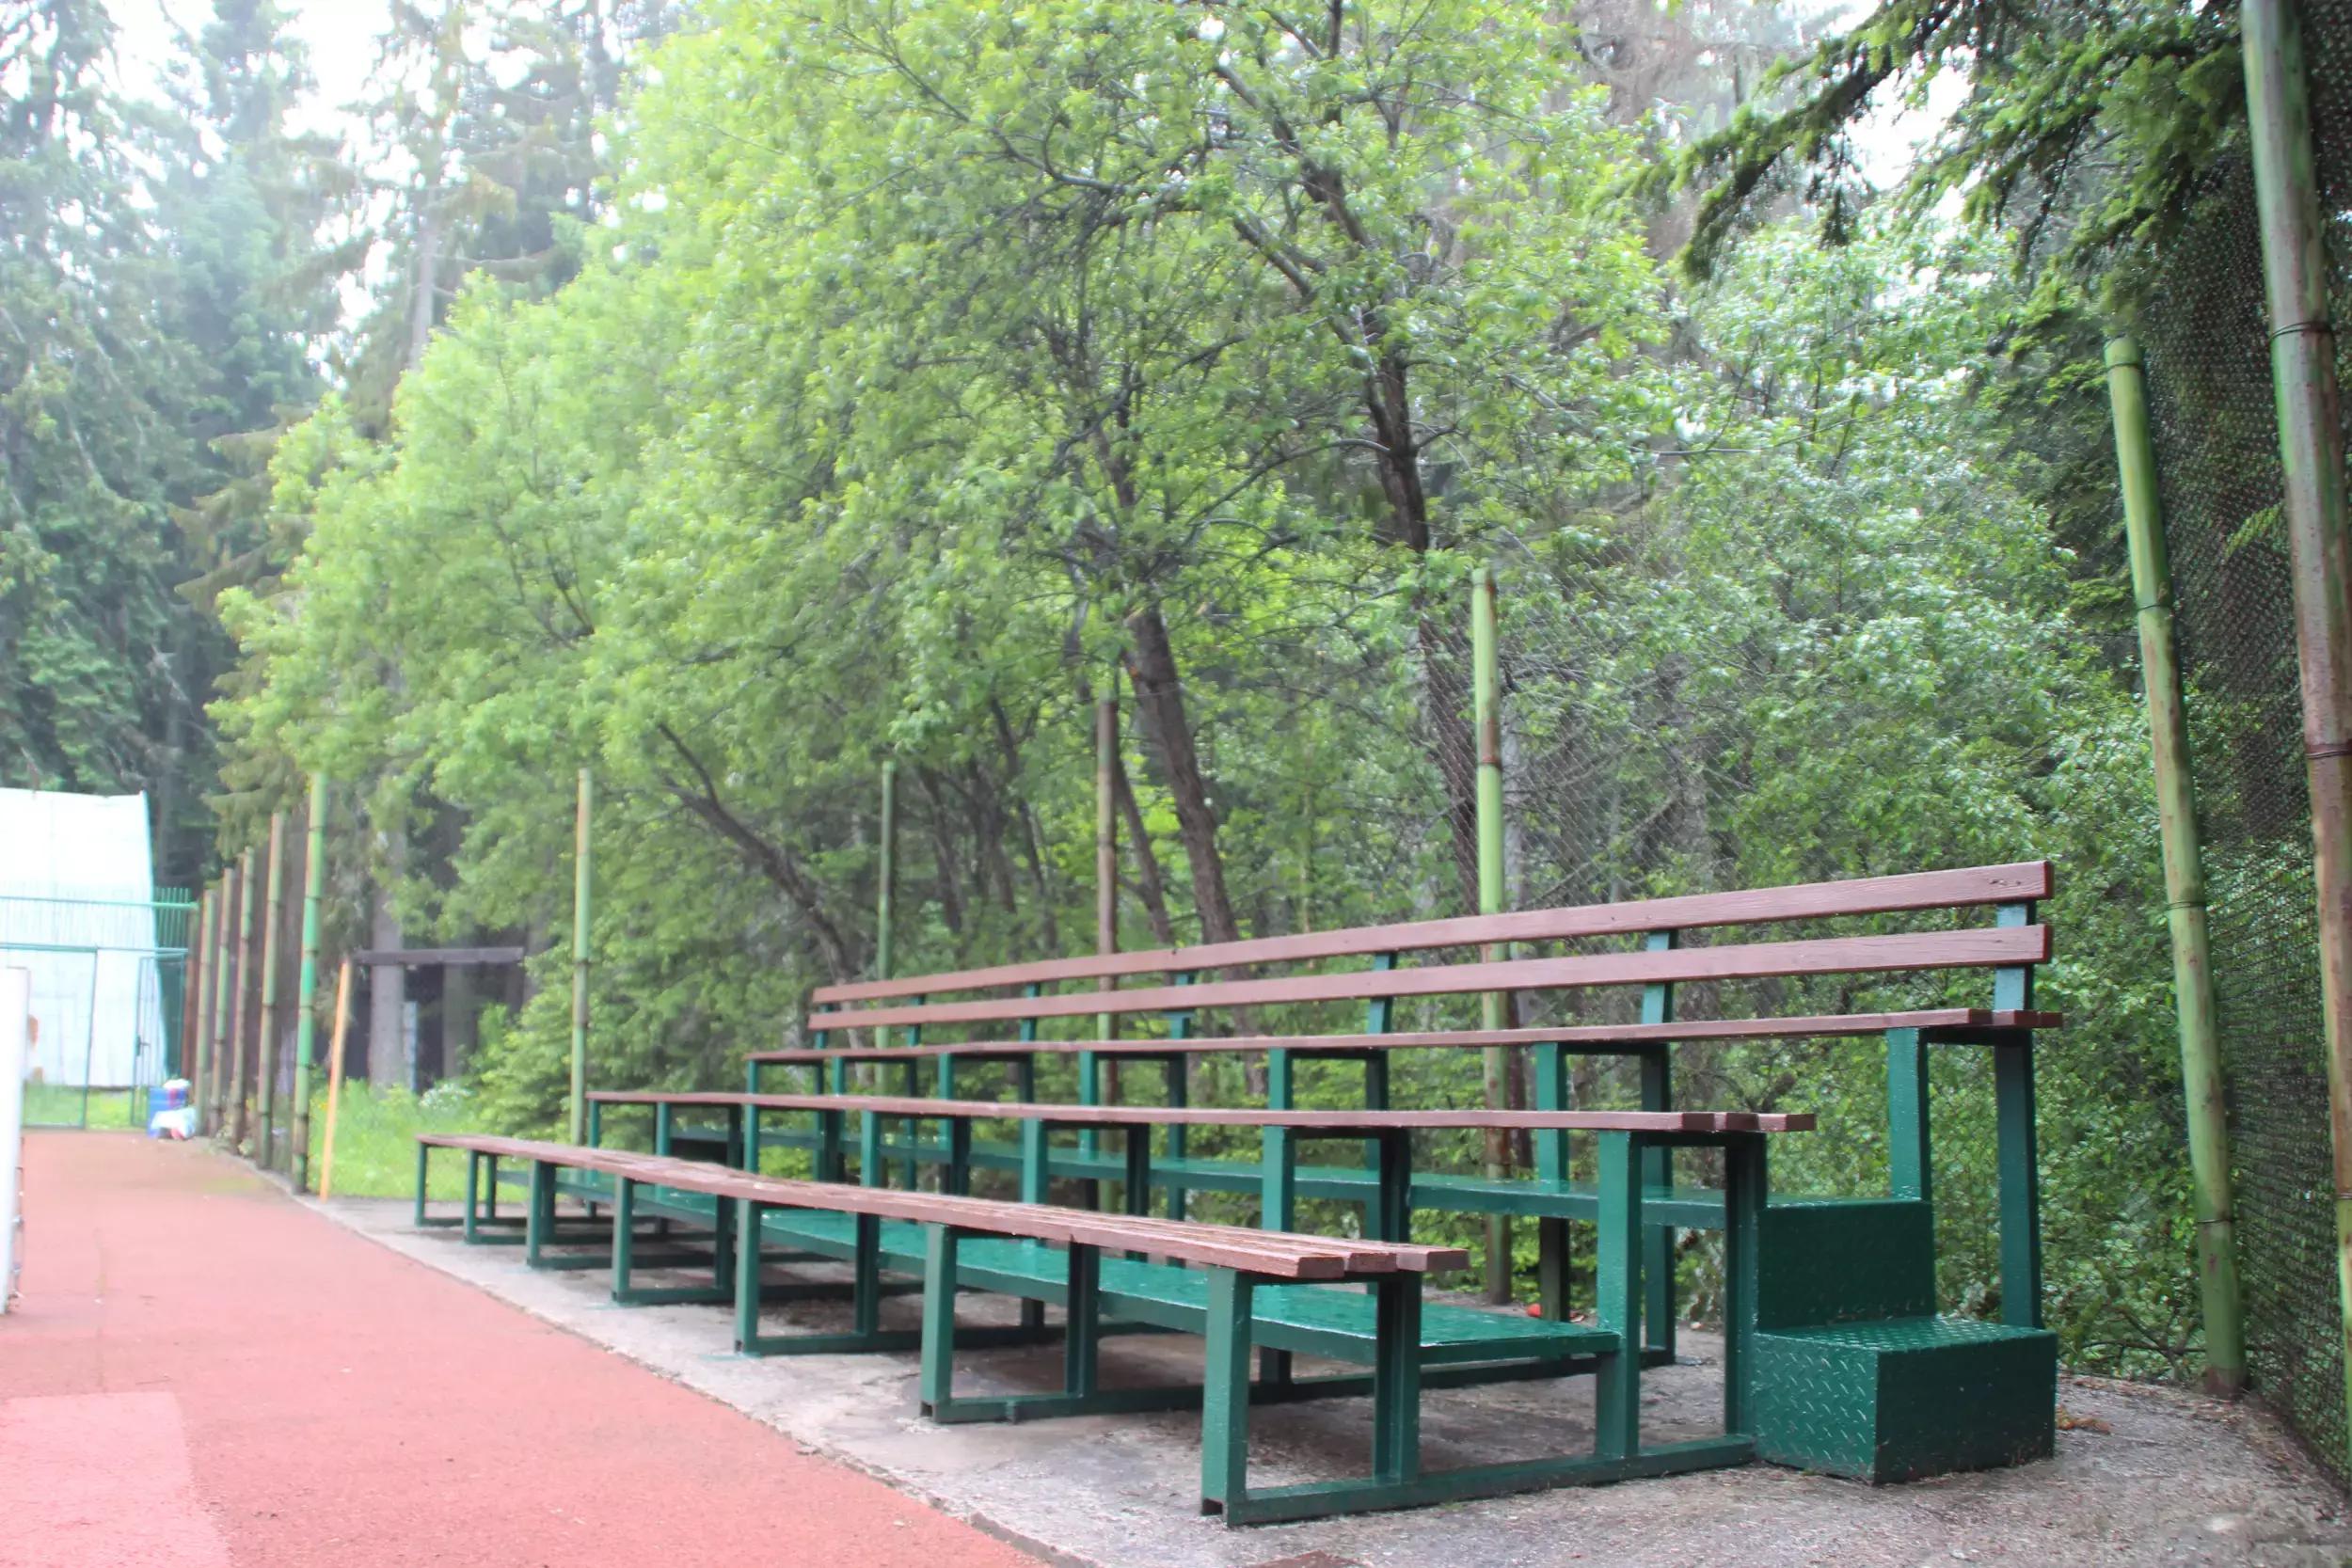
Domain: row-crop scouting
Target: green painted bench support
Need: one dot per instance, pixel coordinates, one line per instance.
(1397, 1478)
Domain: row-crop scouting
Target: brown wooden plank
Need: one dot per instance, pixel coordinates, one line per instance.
(1287, 1255)
(1336, 1123)
(1829, 1026)
(2021, 881)
(1978, 947)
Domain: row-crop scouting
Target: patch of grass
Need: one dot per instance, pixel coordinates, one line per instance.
(376, 1139)
(62, 1105)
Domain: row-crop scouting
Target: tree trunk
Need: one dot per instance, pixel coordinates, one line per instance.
(1151, 663)
(1149, 883)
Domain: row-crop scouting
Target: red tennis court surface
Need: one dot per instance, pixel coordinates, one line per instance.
(203, 1374)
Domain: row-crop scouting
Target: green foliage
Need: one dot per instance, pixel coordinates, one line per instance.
(884, 380)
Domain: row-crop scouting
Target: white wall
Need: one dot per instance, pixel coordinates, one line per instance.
(93, 848)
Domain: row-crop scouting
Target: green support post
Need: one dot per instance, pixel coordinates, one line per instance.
(224, 982)
(266, 1069)
(1396, 1380)
(2018, 1151)
(580, 959)
(1910, 1165)
(1658, 1243)
(1743, 1224)
(2194, 1009)
(939, 1316)
(1487, 683)
(1179, 1074)
(1551, 1174)
(306, 1018)
(1277, 1206)
(1225, 1397)
(199, 1051)
(1617, 1383)
(1082, 1307)
(241, 1112)
(2311, 444)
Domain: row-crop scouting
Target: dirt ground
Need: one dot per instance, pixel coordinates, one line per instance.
(2142, 1475)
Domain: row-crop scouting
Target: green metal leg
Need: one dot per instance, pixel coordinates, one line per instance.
(1552, 1260)
(747, 1336)
(624, 1235)
(1909, 1169)
(1081, 1346)
(1617, 1387)
(938, 1376)
(490, 1187)
(1658, 1242)
(1396, 1381)
(424, 1154)
(2021, 1186)
(539, 1217)
(866, 1335)
(1225, 1401)
(1743, 1223)
(474, 1195)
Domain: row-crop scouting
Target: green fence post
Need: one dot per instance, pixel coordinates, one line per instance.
(239, 1107)
(200, 1053)
(1485, 680)
(885, 895)
(265, 1065)
(223, 982)
(580, 962)
(2183, 874)
(2310, 448)
(306, 1018)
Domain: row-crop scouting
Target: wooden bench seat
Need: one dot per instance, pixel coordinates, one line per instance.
(1238, 1289)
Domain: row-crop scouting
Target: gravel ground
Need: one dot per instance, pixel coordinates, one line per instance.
(2142, 1475)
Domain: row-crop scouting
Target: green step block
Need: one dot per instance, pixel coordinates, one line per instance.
(1902, 1398)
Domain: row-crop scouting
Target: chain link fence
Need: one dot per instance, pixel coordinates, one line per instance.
(2207, 334)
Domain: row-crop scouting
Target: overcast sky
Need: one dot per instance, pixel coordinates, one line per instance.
(341, 33)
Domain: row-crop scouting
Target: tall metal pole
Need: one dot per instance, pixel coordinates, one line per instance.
(2303, 378)
(265, 1070)
(1106, 850)
(579, 962)
(200, 1059)
(216, 1037)
(1487, 686)
(240, 1110)
(306, 1016)
(885, 914)
(2183, 874)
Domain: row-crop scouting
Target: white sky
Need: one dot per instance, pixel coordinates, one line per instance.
(341, 33)
(342, 36)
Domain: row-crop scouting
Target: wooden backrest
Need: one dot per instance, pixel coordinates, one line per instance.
(1996, 947)
(1347, 1122)
(1967, 887)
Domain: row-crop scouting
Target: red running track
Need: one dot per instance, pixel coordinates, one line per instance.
(203, 1374)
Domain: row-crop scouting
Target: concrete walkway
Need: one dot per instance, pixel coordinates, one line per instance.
(201, 1373)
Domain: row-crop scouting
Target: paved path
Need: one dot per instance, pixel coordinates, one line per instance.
(202, 1374)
